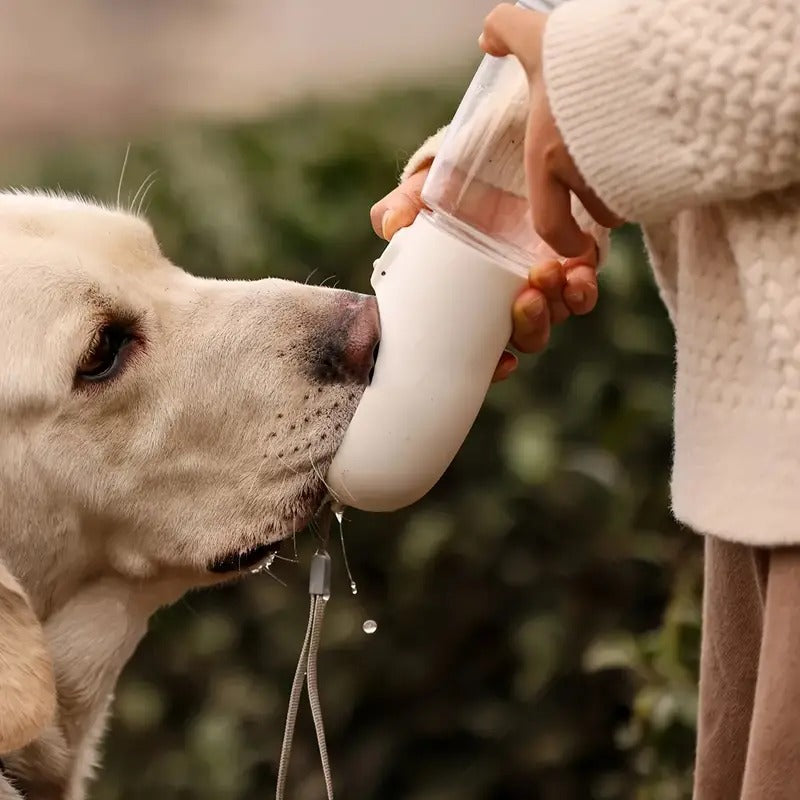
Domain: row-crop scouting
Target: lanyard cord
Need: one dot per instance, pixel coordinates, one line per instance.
(319, 588)
(313, 693)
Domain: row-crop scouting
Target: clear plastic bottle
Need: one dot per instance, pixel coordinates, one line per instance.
(445, 287)
(476, 187)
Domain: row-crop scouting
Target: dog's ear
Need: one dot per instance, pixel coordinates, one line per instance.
(27, 685)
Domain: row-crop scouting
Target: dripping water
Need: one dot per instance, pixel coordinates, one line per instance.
(264, 565)
(369, 626)
(338, 512)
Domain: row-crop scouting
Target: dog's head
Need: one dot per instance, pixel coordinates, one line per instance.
(155, 425)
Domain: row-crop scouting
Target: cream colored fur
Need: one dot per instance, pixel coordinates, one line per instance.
(115, 498)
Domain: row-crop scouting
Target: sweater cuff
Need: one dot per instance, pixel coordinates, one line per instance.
(424, 156)
(603, 96)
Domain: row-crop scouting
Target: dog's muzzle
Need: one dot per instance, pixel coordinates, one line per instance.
(242, 560)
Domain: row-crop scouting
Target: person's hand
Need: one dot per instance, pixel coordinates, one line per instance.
(550, 170)
(555, 291)
(400, 207)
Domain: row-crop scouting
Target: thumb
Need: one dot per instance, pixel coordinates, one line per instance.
(400, 207)
(511, 30)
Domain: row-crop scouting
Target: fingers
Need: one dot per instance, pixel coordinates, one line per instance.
(594, 206)
(513, 30)
(399, 208)
(551, 171)
(395, 218)
(550, 279)
(580, 292)
(564, 168)
(507, 364)
(580, 282)
(556, 292)
(550, 175)
(531, 318)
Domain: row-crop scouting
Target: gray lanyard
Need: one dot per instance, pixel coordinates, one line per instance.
(319, 587)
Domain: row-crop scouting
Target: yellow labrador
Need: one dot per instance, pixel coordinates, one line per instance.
(158, 432)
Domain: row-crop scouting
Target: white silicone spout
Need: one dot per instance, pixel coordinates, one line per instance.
(445, 309)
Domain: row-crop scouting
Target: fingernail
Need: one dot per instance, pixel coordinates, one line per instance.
(548, 275)
(534, 307)
(506, 370)
(508, 363)
(386, 220)
(575, 297)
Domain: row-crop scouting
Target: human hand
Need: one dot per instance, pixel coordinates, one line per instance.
(555, 289)
(551, 173)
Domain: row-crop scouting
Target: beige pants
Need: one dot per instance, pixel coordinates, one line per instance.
(749, 725)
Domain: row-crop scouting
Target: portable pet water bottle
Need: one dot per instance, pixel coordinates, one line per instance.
(445, 287)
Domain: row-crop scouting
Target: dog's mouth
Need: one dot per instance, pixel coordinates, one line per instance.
(243, 560)
(301, 510)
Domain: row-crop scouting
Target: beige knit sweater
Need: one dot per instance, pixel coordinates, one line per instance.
(684, 116)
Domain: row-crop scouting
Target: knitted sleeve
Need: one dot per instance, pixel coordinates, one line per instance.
(424, 155)
(672, 104)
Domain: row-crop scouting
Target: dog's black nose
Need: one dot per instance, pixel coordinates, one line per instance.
(348, 354)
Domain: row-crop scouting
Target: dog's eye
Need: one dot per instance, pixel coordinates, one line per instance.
(106, 356)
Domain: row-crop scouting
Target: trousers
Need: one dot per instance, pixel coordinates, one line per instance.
(748, 743)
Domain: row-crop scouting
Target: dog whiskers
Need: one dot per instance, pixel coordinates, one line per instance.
(337, 500)
(147, 184)
(252, 490)
(335, 279)
(325, 483)
(122, 172)
(139, 190)
(144, 196)
(275, 577)
(280, 458)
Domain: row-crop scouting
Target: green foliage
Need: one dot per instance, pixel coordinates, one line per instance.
(538, 613)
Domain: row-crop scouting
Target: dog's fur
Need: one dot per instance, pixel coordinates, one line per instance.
(116, 497)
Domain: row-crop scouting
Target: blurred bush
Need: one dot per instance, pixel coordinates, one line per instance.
(538, 612)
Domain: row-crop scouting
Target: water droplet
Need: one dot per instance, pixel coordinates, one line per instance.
(369, 626)
(338, 512)
(264, 565)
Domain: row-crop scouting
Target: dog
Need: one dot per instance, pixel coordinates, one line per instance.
(158, 432)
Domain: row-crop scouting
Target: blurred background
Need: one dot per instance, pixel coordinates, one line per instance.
(538, 612)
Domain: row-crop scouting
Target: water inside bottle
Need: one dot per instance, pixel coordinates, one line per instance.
(477, 182)
(498, 219)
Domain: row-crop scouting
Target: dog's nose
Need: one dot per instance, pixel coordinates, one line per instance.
(363, 336)
(349, 354)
